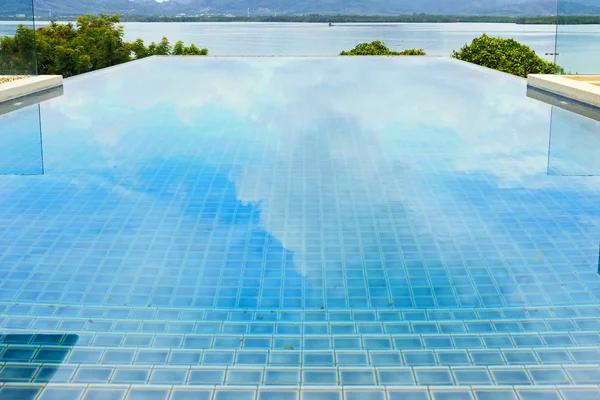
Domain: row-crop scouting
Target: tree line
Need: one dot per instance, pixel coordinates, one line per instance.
(94, 42)
(506, 55)
(424, 18)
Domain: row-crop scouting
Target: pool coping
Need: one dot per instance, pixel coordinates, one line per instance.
(573, 87)
(30, 85)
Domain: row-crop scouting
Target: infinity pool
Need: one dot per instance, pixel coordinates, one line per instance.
(306, 190)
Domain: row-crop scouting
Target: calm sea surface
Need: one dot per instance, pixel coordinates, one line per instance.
(579, 46)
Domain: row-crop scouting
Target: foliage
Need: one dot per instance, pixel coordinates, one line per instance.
(378, 48)
(95, 42)
(506, 55)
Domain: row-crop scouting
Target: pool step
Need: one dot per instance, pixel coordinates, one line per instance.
(15, 353)
(262, 326)
(179, 392)
(83, 374)
(390, 314)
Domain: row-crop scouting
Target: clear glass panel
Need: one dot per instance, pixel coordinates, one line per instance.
(578, 38)
(574, 144)
(17, 56)
(20, 136)
(21, 142)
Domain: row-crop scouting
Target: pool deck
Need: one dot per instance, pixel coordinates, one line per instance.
(18, 88)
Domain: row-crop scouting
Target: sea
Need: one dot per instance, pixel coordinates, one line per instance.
(574, 47)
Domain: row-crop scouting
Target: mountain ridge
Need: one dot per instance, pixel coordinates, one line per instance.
(515, 8)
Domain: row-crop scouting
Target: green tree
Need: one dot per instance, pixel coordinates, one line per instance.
(94, 42)
(506, 55)
(378, 48)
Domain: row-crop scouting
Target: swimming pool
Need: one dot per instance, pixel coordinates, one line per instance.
(301, 223)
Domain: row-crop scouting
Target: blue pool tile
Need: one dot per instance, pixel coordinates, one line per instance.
(104, 394)
(451, 395)
(489, 357)
(467, 342)
(206, 376)
(549, 376)
(290, 358)
(93, 375)
(416, 394)
(51, 355)
(379, 358)
(494, 394)
(55, 374)
(347, 343)
(190, 394)
(320, 377)
(284, 376)
(510, 376)
(580, 393)
(85, 356)
(251, 358)
(350, 358)
(414, 358)
(453, 357)
(357, 377)
(364, 395)
(554, 356)
(539, 394)
(147, 394)
(49, 393)
(321, 395)
(243, 377)
(584, 375)
(18, 354)
(118, 357)
(130, 376)
(585, 356)
(324, 359)
(277, 395)
(17, 373)
(185, 357)
(434, 376)
(168, 376)
(396, 377)
(472, 376)
(151, 357)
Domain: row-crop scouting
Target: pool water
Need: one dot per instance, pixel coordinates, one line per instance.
(206, 219)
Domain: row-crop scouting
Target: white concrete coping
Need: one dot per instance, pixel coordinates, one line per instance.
(33, 84)
(577, 87)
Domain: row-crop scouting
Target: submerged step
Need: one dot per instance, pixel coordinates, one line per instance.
(263, 325)
(269, 340)
(288, 356)
(246, 392)
(294, 315)
(82, 374)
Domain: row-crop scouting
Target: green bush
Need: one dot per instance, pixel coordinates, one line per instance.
(506, 55)
(95, 42)
(378, 48)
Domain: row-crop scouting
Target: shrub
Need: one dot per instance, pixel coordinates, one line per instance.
(378, 48)
(506, 55)
(95, 42)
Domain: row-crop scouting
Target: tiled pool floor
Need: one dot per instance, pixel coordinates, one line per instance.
(269, 228)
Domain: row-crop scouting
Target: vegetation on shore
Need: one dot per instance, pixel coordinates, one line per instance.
(547, 20)
(506, 55)
(378, 48)
(95, 42)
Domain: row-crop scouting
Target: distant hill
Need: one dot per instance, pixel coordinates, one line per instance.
(295, 7)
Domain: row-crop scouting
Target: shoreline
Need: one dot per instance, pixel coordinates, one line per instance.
(346, 19)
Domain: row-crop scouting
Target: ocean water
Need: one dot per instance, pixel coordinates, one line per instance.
(579, 46)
